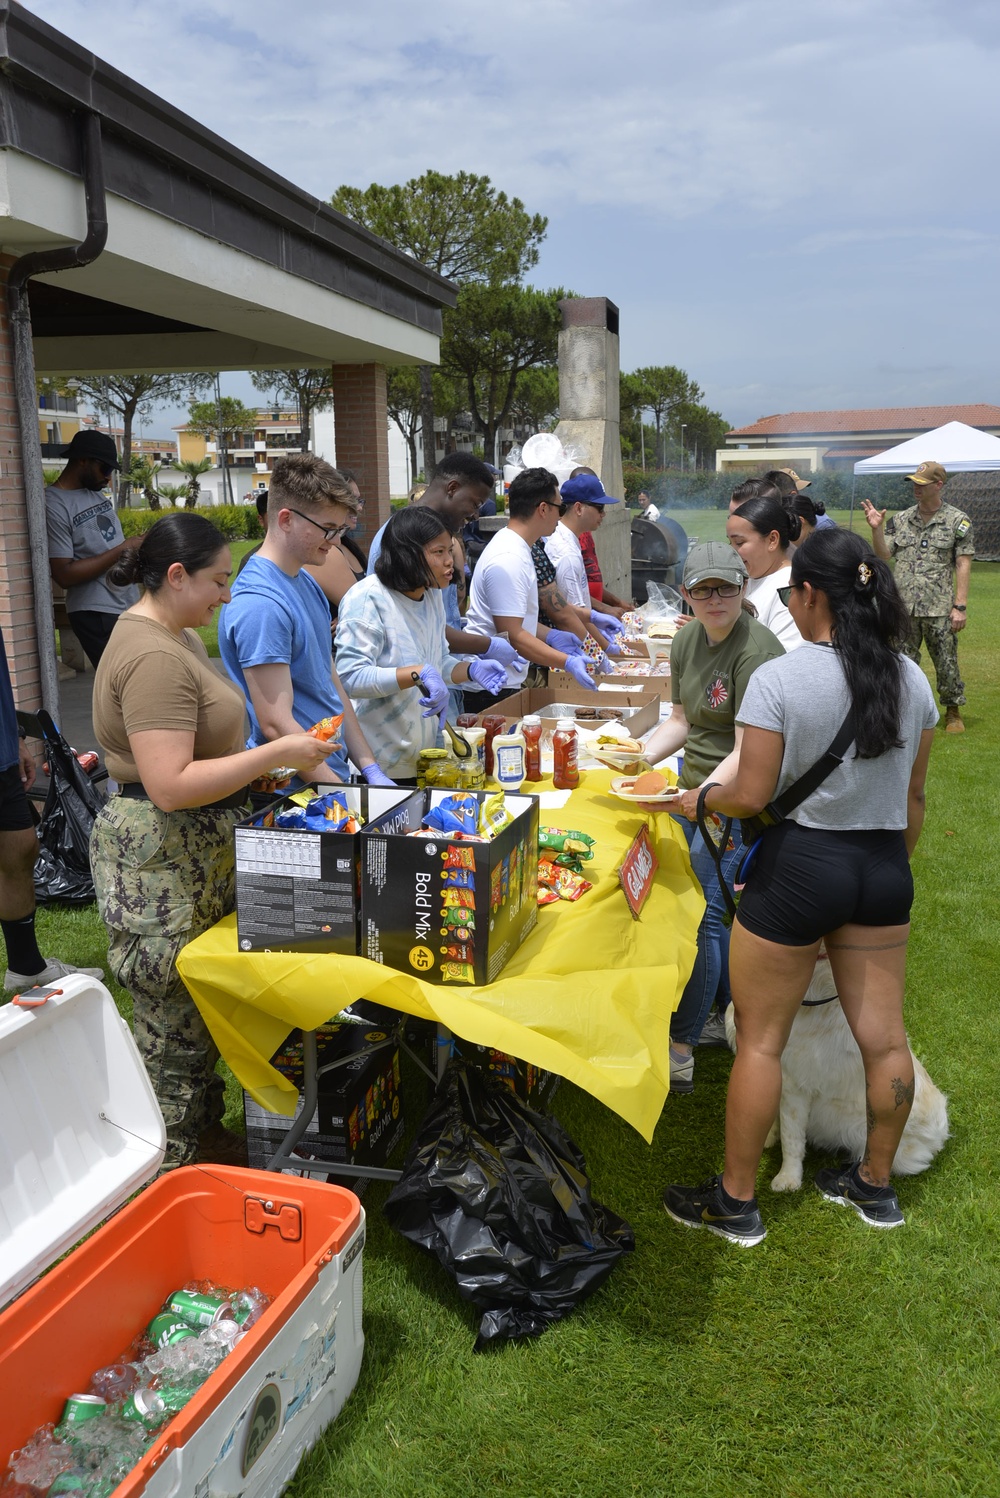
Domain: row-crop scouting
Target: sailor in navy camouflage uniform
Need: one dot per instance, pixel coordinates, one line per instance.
(933, 547)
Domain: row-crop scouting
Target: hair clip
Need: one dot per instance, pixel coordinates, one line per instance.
(865, 574)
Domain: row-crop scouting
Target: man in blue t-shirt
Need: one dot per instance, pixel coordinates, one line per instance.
(26, 967)
(274, 637)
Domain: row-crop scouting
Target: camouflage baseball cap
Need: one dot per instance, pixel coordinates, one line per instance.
(927, 473)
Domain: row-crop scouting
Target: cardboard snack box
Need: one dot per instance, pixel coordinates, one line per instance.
(359, 1116)
(296, 890)
(448, 910)
(639, 707)
(530, 1083)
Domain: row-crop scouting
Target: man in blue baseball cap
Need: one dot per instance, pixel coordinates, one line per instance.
(584, 502)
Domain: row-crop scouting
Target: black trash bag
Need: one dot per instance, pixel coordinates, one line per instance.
(63, 869)
(499, 1195)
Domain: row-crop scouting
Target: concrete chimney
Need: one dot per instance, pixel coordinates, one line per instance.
(589, 420)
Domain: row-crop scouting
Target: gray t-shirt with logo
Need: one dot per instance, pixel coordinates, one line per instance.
(803, 696)
(83, 523)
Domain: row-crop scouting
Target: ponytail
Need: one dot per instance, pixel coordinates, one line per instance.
(767, 515)
(870, 623)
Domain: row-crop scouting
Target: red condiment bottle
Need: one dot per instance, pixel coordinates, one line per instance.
(565, 773)
(493, 724)
(531, 728)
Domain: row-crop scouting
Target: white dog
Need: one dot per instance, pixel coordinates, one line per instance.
(823, 1092)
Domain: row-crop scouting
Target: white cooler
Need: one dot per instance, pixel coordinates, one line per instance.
(81, 1132)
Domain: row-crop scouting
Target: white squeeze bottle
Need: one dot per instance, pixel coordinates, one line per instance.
(509, 763)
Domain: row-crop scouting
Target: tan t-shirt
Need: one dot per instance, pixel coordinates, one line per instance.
(149, 679)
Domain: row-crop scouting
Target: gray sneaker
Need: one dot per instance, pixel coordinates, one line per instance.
(681, 1072)
(51, 973)
(714, 1032)
(876, 1205)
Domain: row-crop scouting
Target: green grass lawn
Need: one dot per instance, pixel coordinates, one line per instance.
(710, 525)
(832, 1360)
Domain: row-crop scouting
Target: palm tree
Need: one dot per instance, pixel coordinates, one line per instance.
(177, 494)
(141, 475)
(194, 471)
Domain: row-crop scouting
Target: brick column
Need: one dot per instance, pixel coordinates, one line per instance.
(362, 438)
(17, 604)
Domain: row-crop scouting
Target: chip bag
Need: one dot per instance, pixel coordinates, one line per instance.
(558, 840)
(327, 728)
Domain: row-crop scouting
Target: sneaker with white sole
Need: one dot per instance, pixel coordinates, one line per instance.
(51, 973)
(713, 1032)
(681, 1072)
(704, 1207)
(876, 1205)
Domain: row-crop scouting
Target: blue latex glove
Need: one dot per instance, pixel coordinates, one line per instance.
(576, 665)
(374, 776)
(490, 675)
(607, 624)
(435, 702)
(605, 667)
(500, 650)
(561, 639)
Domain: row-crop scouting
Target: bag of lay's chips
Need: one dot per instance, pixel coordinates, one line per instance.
(494, 815)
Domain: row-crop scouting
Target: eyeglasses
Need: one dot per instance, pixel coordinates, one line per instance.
(330, 532)
(702, 591)
(784, 594)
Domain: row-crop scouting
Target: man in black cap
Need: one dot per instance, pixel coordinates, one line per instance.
(85, 540)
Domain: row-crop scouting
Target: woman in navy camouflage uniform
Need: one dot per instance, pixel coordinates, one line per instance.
(172, 727)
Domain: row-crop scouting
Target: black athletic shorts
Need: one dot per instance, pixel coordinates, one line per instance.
(805, 883)
(15, 808)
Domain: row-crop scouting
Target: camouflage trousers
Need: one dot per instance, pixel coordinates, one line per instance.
(162, 878)
(942, 647)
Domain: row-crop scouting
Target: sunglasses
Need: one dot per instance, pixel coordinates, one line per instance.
(785, 593)
(702, 591)
(330, 532)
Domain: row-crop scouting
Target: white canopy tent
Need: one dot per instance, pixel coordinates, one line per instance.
(957, 447)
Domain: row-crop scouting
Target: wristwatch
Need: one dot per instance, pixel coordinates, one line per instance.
(960, 606)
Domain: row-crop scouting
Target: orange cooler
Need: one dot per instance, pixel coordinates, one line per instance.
(81, 1133)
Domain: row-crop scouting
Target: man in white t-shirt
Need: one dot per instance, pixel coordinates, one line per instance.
(504, 596)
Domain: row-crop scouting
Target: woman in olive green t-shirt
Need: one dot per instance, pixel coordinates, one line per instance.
(711, 661)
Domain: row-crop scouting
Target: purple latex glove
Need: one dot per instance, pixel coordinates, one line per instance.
(435, 700)
(490, 675)
(576, 665)
(561, 639)
(374, 776)
(607, 624)
(500, 650)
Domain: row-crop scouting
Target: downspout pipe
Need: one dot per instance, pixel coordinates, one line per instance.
(63, 257)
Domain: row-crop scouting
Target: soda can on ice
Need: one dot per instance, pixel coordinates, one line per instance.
(166, 1329)
(199, 1310)
(82, 1407)
(144, 1406)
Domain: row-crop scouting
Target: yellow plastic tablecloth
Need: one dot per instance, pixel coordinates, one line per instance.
(588, 995)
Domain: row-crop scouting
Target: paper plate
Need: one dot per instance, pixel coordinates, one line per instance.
(619, 788)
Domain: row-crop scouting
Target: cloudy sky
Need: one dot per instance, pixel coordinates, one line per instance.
(786, 200)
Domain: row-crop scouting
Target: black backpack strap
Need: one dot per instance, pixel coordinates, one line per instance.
(716, 852)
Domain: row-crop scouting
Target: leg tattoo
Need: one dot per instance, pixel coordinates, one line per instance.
(903, 1092)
